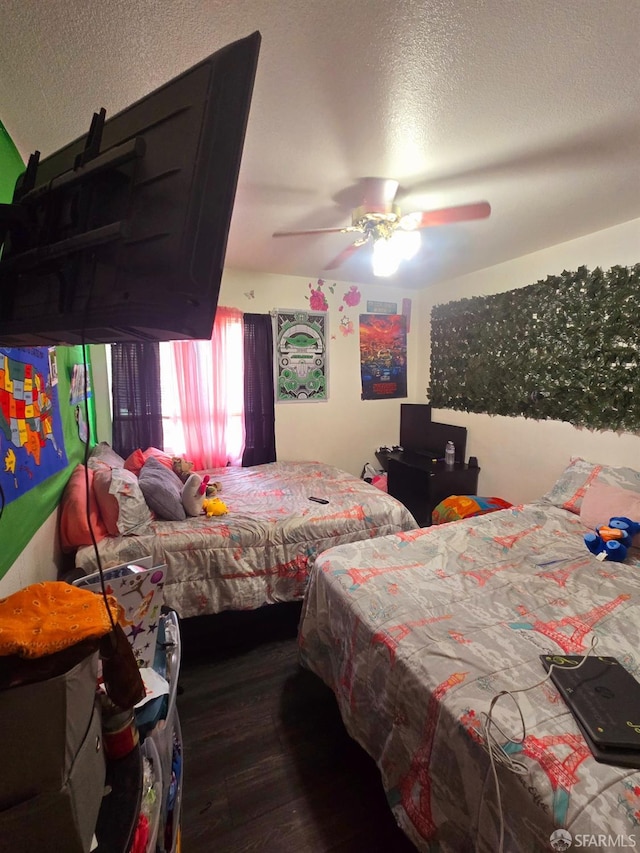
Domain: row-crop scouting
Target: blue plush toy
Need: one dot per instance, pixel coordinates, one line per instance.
(612, 541)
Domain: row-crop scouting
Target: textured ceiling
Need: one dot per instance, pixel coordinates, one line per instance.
(532, 105)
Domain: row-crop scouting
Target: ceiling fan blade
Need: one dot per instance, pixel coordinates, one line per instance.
(446, 215)
(344, 255)
(314, 231)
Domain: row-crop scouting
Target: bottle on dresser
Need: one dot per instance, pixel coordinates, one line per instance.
(450, 454)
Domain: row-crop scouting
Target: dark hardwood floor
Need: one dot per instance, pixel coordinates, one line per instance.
(268, 764)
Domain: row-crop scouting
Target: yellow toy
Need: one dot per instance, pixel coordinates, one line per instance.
(214, 506)
(196, 499)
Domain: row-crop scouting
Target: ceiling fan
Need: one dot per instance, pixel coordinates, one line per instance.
(394, 237)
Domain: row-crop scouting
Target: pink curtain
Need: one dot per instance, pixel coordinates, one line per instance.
(210, 398)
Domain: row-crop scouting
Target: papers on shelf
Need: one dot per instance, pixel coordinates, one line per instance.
(154, 684)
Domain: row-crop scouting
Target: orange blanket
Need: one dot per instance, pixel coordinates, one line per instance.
(46, 617)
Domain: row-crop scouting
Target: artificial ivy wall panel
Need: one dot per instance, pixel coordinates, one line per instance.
(566, 348)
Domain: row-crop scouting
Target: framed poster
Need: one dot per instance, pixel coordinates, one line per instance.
(80, 387)
(383, 356)
(382, 307)
(301, 356)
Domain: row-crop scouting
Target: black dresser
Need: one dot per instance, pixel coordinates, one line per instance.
(416, 472)
(420, 484)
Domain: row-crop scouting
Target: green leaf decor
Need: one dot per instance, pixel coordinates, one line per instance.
(566, 348)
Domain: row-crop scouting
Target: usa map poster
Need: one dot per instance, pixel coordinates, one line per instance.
(31, 438)
(301, 356)
(383, 356)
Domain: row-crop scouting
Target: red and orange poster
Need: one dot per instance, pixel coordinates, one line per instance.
(383, 356)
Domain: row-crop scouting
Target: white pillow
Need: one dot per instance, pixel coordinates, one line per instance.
(122, 504)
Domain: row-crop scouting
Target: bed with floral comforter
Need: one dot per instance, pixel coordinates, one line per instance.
(417, 631)
(260, 551)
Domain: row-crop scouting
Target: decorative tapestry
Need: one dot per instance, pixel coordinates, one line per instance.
(31, 439)
(566, 349)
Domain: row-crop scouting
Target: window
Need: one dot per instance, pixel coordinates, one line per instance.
(202, 389)
(213, 400)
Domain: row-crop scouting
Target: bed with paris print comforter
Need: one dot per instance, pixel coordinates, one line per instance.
(416, 632)
(261, 550)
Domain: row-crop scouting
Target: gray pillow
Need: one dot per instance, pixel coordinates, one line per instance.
(162, 490)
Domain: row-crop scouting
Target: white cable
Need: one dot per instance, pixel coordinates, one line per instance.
(497, 755)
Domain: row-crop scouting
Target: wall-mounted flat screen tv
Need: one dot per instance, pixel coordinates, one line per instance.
(121, 235)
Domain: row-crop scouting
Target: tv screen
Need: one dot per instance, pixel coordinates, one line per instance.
(414, 421)
(121, 235)
(419, 433)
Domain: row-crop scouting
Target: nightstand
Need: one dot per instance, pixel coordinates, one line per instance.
(420, 483)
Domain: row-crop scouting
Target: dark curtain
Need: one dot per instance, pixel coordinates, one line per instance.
(135, 386)
(259, 404)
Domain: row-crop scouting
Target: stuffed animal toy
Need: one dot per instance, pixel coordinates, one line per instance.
(214, 489)
(195, 500)
(612, 541)
(194, 494)
(182, 467)
(214, 506)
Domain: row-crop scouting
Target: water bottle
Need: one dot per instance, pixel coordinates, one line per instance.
(449, 454)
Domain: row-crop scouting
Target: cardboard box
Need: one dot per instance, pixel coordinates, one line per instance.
(53, 773)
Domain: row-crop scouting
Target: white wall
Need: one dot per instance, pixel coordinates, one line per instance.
(101, 391)
(345, 430)
(38, 562)
(521, 458)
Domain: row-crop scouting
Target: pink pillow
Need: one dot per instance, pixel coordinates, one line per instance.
(74, 528)
(602, 502)
(107, 503)
(160, 455)
(135, 461)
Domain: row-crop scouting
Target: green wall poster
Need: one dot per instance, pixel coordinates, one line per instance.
(11, 166)
(301, 357)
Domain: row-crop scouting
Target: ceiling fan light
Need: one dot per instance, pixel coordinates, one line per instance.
(385, 258)
(410, 221)
(407, 243)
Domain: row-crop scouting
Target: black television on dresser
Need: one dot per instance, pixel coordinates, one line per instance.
(414, 420)
(121, 235)
(418, 433)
